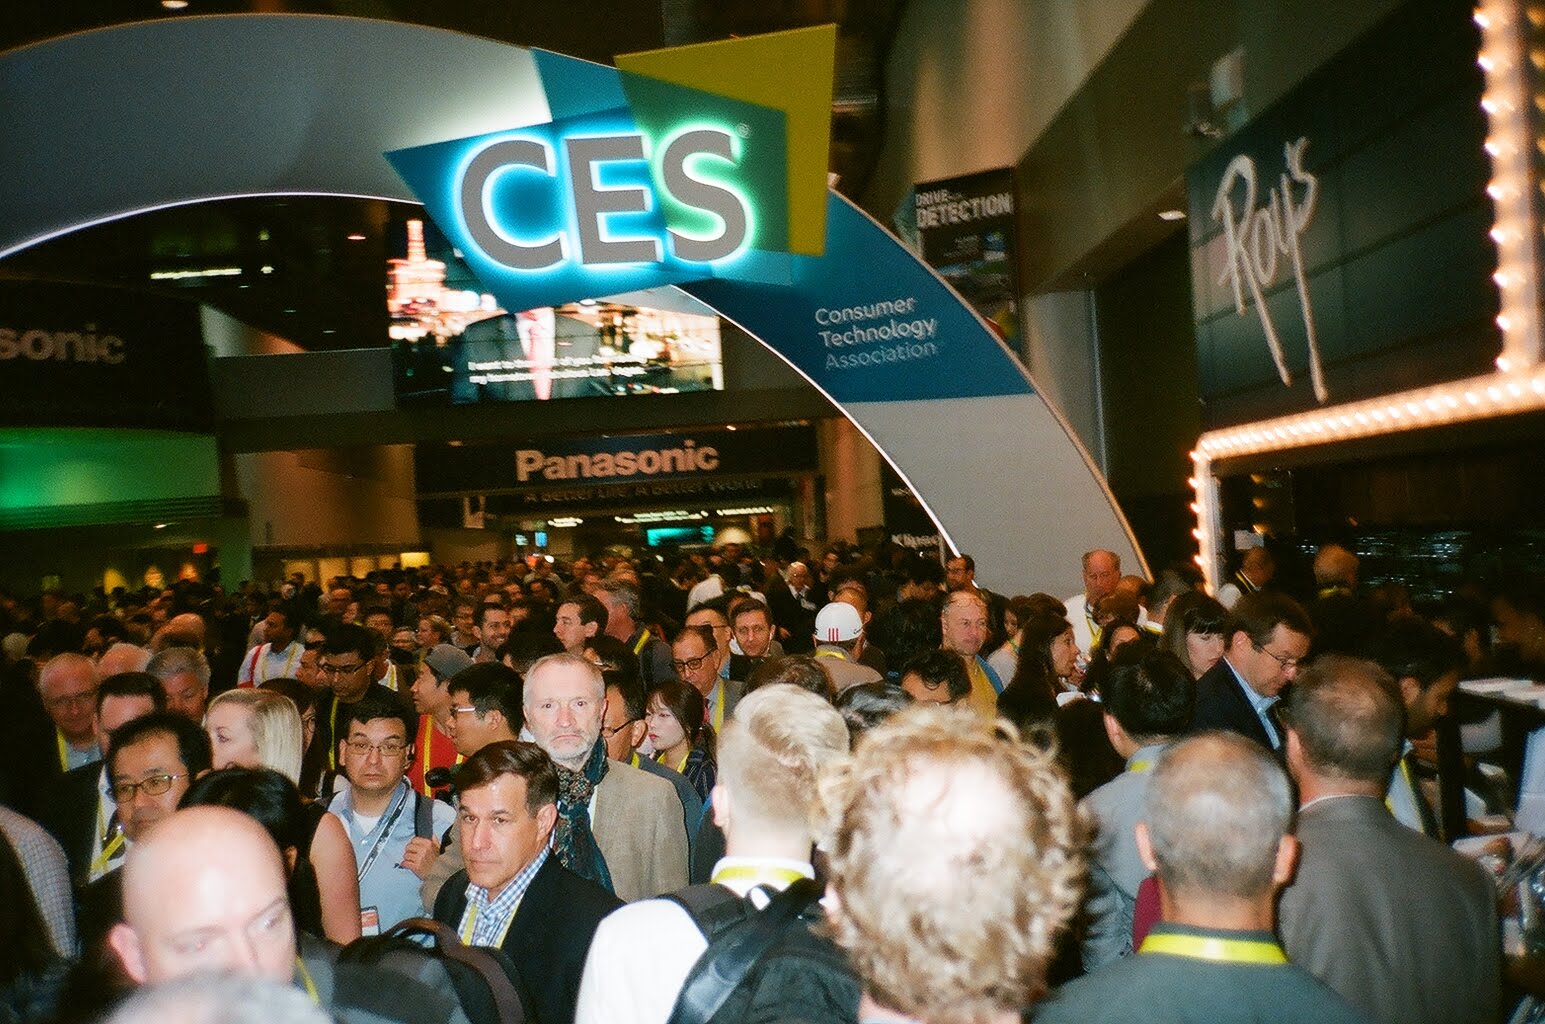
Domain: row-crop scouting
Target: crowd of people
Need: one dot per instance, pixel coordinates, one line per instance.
(1136, 802)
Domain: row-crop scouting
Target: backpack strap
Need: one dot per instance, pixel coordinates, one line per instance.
(492, 965)
(423, 816)
(710, 906)
(733, 953)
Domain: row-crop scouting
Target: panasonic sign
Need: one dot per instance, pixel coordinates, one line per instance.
(624, 465)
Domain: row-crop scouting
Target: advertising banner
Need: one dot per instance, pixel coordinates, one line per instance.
(965, 228)
(84, 356)
(637, 460)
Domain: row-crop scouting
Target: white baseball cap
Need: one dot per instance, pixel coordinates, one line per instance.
(837, 623)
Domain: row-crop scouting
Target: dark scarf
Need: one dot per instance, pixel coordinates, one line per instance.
(574, 842)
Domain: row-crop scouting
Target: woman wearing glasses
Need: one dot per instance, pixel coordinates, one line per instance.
(682, 741)
(262, 729)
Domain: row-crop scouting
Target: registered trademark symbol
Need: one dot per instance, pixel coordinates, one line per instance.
(744, 130)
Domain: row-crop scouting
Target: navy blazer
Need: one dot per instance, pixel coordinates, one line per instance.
(550, 936)
(1222, 704)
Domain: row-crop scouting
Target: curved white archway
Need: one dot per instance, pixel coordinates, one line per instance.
(112, 123)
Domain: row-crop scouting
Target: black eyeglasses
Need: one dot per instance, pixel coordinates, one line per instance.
(153, 785)
(1288, 664)
(690, 665)
(609, 731)
(339, 670)
(389, 749)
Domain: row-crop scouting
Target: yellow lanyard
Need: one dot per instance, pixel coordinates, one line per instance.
(660, 757)
(307, 982)
(718, 711)
(1405, 773)
(291, 660)
(332, 733)
(64, 750)
(755, 874)
(633, 760)
(1203, 947)
(425, 754)
(99, 866)
(643, 639)
(1139, 767)
(470, 926)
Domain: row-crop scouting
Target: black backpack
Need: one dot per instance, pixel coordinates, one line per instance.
(767, 963)
(485, 979)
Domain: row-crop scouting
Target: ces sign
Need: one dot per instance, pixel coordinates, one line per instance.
(577, 176)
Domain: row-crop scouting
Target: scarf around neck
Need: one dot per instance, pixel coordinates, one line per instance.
(574, 842)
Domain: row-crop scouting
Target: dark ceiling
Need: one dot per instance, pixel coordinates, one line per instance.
(313, 270)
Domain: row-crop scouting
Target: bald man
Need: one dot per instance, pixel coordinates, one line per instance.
(232, 913)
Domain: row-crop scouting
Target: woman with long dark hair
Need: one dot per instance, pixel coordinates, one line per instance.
(682, 740)
(1047, 656)
(1196, 631)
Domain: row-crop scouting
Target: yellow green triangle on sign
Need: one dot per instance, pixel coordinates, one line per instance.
(787, 71)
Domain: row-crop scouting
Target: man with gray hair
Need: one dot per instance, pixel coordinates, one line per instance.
(620, 598)
(619, 827)
(184, 673)
(122, 657)
(1215, 831)
(1399, 924)
(956, 858)
(1102, 571)
(68, 686)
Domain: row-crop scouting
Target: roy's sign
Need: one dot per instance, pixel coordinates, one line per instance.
(1260, 236)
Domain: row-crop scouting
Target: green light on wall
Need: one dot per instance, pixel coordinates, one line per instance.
(48, 467)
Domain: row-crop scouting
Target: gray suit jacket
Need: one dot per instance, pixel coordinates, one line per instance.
(1115, 869)
(1403, 927)
(638, 826)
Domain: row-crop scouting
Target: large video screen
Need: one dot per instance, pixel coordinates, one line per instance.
(453, 345)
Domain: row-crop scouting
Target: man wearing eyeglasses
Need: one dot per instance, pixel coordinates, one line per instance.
(154, 759)
(395, 830)
(484, 708)
(1269, 639)
(344, 669)
(79, 810)
(68, 686)
(695, 662)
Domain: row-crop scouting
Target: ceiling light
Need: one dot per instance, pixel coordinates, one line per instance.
(174, 5)
(356, 237)
(1172, 215)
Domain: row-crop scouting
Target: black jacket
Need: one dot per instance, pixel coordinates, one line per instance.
(69, 812)
(1221, 704)
(550, 936)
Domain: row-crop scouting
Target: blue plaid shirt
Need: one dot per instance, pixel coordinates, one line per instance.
(489, 920)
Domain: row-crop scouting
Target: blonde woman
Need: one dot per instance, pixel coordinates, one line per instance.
(262, 729)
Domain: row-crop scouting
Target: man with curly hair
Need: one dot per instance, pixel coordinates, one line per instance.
(936, 810)
(1215, 830)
